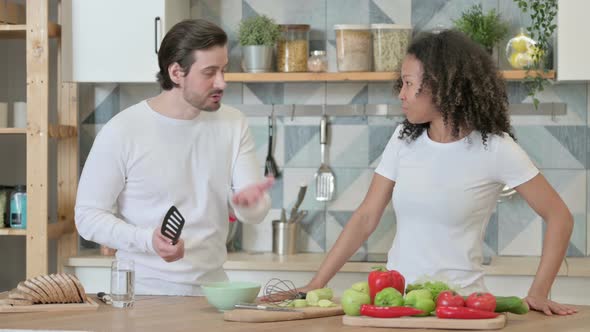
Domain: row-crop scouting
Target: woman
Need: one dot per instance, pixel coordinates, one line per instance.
(444, 168)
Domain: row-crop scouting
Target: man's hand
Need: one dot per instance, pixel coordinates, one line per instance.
(164, 247)
(549, 307)
(252, 194)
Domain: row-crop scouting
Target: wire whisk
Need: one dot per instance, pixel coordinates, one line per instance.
(281, 291)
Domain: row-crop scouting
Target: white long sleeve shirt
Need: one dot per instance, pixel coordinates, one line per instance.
(143, 162)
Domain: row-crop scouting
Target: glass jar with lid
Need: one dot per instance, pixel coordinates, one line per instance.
(390, 42)
(353, 47)
(293, 48)
(317, 62)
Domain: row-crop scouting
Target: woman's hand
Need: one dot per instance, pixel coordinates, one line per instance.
(282, 296)
(549, 307)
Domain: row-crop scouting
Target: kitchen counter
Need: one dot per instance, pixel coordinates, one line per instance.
(171, 313)
(500, 265)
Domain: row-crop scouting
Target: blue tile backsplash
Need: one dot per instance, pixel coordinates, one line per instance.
(558, 145)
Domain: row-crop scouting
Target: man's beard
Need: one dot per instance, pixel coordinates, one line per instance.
(203, 103)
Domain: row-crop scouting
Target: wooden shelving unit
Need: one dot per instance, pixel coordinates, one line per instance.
(19, 31)
(39, 131)
(512, 75)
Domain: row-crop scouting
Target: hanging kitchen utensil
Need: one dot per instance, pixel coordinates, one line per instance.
(172, 224)
(270, 166)
(300, 197)
(324, 177)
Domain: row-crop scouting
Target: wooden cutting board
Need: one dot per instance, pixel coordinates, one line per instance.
(261, 316)
(90, 305)
(427, 322)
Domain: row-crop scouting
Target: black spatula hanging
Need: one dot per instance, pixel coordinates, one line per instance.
(270, 166)
(172, 224)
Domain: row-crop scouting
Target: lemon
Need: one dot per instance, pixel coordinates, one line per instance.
(520, 45)
(520, 60)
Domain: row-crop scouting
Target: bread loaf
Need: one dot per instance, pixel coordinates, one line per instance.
(54, 288)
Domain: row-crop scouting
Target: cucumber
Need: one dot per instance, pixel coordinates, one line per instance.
(299, 303)
(314, 296)
(511, 304)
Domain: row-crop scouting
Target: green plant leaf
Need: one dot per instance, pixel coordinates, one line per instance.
(487, 29)
(258, 30)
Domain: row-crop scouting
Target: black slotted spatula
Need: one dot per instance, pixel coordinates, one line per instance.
(172, 224)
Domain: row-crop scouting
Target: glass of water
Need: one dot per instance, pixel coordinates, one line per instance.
(122, 283)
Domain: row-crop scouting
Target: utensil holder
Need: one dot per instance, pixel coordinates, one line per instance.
(284, 237)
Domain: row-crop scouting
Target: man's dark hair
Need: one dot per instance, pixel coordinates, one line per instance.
(180, 42)
(465, 84)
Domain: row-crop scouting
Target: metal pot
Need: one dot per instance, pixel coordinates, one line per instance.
(257, 58)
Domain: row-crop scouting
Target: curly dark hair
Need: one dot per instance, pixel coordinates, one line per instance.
(465, 84)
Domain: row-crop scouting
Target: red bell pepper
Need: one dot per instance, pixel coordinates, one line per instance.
(464, 313)
(381, 278)
(388, 312)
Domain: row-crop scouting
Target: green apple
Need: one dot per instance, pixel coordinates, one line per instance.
(426, 305)
(417, 294)
(352, 300)
(361, 286)
(389, 297)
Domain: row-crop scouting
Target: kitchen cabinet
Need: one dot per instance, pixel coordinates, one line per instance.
(572, 47)
(116, 41)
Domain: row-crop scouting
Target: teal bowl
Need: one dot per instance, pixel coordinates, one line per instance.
(225, 294)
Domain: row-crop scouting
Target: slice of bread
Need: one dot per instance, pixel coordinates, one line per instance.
(36, 286)
(73, 287)
(79, 287)
(57, 286)
(57, 293)
(47, 288)
(66, 288)
(19, 294)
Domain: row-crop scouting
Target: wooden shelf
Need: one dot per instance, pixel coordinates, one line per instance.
(344, 77)
(11, 131)
(13, 231)
(55, 131)
(19, 31)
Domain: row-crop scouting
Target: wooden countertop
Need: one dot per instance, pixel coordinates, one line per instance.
(172, 313)
(500, 265)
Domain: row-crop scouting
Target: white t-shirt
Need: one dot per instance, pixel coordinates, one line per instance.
(443, 198)
(140, 164)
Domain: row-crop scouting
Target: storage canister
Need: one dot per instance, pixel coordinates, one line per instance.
(284, 237)
(353, 47)
(390, 42)
(18, 207)
(293, 48)
(317, 62)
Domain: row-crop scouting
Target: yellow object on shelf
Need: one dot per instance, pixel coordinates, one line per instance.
(520, 51)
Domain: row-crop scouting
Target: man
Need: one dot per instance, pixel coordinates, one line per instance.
(180, 148)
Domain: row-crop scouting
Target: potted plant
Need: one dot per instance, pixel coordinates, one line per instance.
(258, 35)
(487, 29)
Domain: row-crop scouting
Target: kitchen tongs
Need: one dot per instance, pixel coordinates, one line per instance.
(172, 224)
